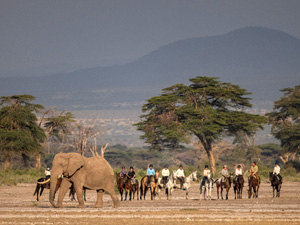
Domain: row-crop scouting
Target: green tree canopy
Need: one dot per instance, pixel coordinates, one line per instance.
(206, 109)
(19, 131)
(285, 119)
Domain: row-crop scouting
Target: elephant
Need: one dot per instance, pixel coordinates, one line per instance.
(93, 173)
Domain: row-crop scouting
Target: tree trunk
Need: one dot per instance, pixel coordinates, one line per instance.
(211, 159)
(38, 161)
(7, 163)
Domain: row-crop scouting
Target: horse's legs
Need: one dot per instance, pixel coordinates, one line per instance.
(227, 190)
(37, 192)
(222, 193)
(235, 192)
(218, 192)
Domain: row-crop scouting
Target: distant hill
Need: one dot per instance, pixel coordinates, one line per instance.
(259, 59)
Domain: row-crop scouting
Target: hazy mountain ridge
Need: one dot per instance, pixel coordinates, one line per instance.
(259, 59)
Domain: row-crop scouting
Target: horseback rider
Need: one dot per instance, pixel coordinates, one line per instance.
(47, 173)
(180, 176)
(238, 171)
(150, 173)
(165, 175)
(276, 171)
(224, 173)
(206, 175)
(254, 171)
(123, 172)
(131, 175)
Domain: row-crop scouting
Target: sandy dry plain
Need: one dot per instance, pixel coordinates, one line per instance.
(19, 206)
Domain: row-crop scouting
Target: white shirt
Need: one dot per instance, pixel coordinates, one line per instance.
(47, 172)
(206, 173)
(180, 173)
(276, 170)
(238, 172)
(165, 172)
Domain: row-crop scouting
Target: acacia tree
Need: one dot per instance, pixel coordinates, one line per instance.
(206, 109)
(19, 131)
(285, 120)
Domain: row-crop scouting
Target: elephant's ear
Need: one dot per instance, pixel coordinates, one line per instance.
(75, 163)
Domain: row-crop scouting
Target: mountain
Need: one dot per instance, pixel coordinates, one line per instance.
(261, 60)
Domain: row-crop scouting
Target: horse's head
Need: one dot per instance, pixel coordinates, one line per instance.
(194, 176)
(231, 177)
(271, 176)
(249, 193)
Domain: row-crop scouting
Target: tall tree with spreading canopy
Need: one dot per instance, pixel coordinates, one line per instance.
(19, 131)
(285, 120)
(206, 109)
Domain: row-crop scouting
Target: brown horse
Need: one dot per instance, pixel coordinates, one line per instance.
(253, 185)
(42, 184)
(224, 185)
(238, 185)
(152, 184)
(131, 188)
(121, 185)
(275, 183)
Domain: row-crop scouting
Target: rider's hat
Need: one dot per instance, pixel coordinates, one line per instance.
(150, 165)
(180, 166)
(254, 162)
(131, 167)
(224, 166)
(48, 169)
(165, 166)
(238, 166)
(206, 166)
(276, 162)
(123, 167)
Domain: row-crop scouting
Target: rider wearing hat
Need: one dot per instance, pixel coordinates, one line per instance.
(150, 173)
(131, 175)
(206, 175)
(165, 175)
(238, 171)
(224, 173)
(180, 175)
(47, 173)
(276, 170)
(254, 171)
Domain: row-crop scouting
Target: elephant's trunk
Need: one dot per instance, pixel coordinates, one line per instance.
(53, 184)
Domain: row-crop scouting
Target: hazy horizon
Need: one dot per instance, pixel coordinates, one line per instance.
(47, 37)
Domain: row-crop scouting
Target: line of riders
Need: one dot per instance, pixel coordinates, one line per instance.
(180, 176)
(206, 174)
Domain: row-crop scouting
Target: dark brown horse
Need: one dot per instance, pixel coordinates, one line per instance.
(254, 183)
(131, 188)
(121, 185)
(276, 184)
(42, 184)
(224, 185)
(238, 184)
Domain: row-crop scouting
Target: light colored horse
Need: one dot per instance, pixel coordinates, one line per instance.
(187, 182)
(207, 187)
(169, 187)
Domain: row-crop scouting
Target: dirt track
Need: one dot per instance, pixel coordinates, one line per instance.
(19, 206)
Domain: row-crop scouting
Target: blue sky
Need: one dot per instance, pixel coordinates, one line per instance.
(42, 37)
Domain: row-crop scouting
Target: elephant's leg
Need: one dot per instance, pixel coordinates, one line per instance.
(64, 187)
(79, 193)
(111, 191)
(99, 203)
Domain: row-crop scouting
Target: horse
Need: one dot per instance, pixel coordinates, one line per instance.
(152, 184)
(224, 185)
(73, 192)
(187, 182)
(238, 184)
(169, 186)
(207, 186)
(42, 184)
(275, 183)
(121, 185)
(131, 188)
(253, 185)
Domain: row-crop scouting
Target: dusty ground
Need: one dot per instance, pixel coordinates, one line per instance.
(19, 206)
